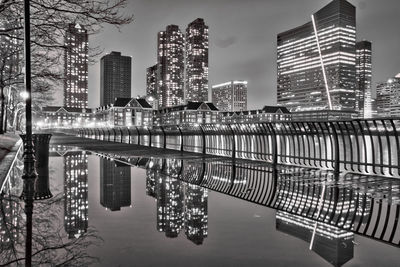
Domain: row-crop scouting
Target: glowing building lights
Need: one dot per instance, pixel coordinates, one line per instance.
(316, 61)
(76, 67)
(230, 96)
(196, 88)
(170, 67)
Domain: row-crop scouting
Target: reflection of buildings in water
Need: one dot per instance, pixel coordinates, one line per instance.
(151, 183)
(196, 213)
(115, 184)
(331, 243)
(75, 193)
(178, 204)
(169, 205)
(9, 221)
(309, 193)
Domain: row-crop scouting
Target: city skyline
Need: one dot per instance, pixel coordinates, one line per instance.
(241, 47)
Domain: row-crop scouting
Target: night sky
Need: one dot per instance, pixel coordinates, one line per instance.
(242, 39)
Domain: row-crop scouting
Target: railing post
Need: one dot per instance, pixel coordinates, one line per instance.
(138, 135)
(274, 143)
(336, 163)
(233, 142)
(164, 137)
(149, 137)
(180, 131)
(203, 137)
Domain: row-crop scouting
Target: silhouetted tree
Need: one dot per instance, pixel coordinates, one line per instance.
(49, 21)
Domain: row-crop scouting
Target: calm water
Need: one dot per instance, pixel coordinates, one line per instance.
(107, 213)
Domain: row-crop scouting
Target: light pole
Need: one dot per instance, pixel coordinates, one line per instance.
(29, 175)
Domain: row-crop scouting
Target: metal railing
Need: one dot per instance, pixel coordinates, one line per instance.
(363, 146)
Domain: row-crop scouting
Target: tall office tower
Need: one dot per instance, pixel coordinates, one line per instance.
(115, 77)
(364, 77)
(115, 184)
(388, 97)
(151, 81)
(230, 96)
(196, 213)
(170, 67)
(316, 61)
(330, 242)
(75, 193)
(76, 67)
(196, 61)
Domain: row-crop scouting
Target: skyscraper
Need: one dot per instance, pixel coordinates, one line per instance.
(364, 77)
(316, 61)
(76, 67)
(197, 61)
(115, 184)
(151, 80)
(388, 97)
(115, 77)
(230, 96)
(170, 67)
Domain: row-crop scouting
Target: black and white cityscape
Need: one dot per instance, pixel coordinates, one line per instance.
(201, 133)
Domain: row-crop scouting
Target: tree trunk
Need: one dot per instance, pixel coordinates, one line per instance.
(2, 98)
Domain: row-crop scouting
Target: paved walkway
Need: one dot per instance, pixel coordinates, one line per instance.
(122, 149)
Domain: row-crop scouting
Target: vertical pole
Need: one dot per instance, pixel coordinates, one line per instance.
(233, 142)
(29, 174)
(203, 136)
(336, 166)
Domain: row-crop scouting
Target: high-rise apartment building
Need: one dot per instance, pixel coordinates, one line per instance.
(316, 61)
(151, 81)
(170, 67)
(364, 77)
(230, 96)
(76, 67)
(196, 88)
(115, 77)
(388, 97)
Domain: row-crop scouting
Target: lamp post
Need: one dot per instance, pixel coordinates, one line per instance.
(29, 174)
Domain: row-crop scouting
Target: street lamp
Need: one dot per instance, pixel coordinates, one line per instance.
(29, 174)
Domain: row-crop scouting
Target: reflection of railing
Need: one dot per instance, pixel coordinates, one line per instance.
(365, 205)
(364, 146)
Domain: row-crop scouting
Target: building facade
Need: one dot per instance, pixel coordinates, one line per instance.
(125, 112)
(316, 61)
(115, 77)
(267, 114)
(230, 96)
(170, 67)
(192, 113)
(151, 81)
(196, 88)
(388, 97)
(76, 67)
(364, 78)
(59, 117)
